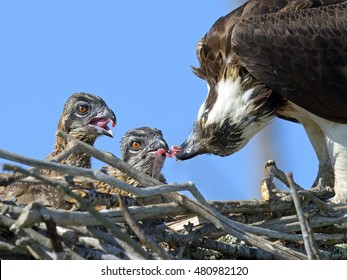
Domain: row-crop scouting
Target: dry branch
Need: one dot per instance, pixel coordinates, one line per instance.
(309, 242)
(51, 233)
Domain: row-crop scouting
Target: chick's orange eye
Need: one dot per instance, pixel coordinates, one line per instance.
(136, 145)
(82, 109)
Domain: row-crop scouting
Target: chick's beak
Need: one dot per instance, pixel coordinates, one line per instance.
(100, 122)
(158, 146)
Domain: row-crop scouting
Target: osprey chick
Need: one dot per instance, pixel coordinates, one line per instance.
(276, 58)
(85, 117)
(143, 148)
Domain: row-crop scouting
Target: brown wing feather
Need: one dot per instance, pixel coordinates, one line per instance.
(301, 54)
(215, 45)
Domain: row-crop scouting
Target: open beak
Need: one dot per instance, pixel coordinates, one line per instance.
(101, 121)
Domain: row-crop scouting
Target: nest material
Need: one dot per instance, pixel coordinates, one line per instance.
(285, 225)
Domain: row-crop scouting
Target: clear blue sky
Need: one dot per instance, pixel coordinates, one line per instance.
(137, 56)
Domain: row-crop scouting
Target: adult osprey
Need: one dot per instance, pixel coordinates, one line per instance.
(276, 58)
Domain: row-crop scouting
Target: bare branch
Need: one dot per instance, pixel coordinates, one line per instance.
(48, 233)
(238, 230)
(104, 221)
(140, 233)
(305, 229)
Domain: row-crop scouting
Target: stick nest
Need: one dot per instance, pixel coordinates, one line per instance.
(293, 224)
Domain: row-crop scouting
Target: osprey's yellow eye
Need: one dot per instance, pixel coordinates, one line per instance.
(82, 109)
(203, 120)
(136, 145)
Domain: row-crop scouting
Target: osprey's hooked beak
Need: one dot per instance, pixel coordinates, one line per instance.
(189, 148)
(100, 122)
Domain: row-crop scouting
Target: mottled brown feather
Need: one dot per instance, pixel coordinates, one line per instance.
(77, 126)
(143, 159)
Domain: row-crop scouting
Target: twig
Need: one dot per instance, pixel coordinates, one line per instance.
(108, 239)
(282, 205)
(238, 230)
(140, 233)
(69, 218)
(92, 254)
(56, 241)
(320, 190)
(290, 223)
(28, 239)
(68, 150)
(12, 251)
(183, 205)
(97, 175)
(305, 229)
(104, 221)
(234, 250)
(231, 227)
(99, 245)
(144, 179)
(320, 204)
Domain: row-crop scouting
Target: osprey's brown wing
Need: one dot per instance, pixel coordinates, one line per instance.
(301, 54)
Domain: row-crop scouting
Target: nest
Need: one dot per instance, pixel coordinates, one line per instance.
(293, 224)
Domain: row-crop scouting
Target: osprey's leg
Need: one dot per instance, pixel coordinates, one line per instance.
(330, 144)
(336, 139)
(318, 141)
(329, 141)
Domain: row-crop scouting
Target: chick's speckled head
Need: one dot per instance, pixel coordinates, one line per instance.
(86, 116)
(145, 149)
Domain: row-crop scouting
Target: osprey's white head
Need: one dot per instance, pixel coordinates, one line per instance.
(236, 108)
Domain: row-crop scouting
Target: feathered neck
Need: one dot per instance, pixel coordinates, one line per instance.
(75, 159)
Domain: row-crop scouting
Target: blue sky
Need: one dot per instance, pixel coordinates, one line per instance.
(137, 56)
